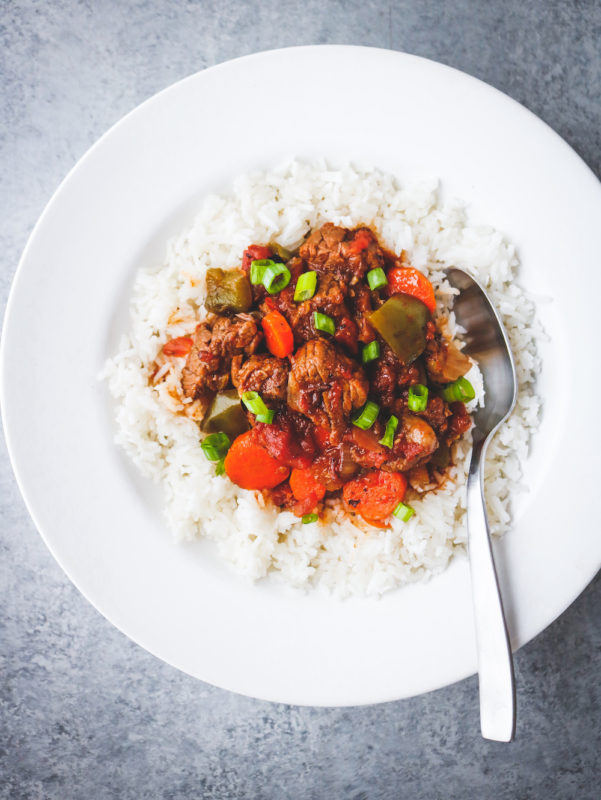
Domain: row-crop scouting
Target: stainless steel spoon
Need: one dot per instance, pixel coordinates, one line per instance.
(486, 342)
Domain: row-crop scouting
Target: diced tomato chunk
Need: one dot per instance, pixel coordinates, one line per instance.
(180, 346)
(347, 333)
(256, 252)
(361, 240)
(285, 443)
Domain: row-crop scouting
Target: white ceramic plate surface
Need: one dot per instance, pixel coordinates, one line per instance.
(140, 184)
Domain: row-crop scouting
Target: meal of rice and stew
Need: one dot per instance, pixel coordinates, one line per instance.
(294, 378)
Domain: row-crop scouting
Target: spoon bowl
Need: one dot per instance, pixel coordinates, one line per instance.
(487, 343)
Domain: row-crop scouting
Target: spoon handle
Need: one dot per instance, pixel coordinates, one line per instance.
(495, 665)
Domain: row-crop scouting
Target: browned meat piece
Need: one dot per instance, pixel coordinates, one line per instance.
(237, 335)
(444, 361)
(361, 298)
(414, 443)
(326, 386)
(365, 446)
(459, 422)
(383, 382)
(389, 375)
(328, 299)
(280, 496)
(347, 254)
(216, 342)
(261, 373)
(203, 374)
(437, 413)
(322, 249)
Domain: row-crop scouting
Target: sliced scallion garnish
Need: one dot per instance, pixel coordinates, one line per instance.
(309, 518)
(403, 512)
(254, 402)
(367, 416)
(276, 277)
(266, 418)
(460, 390)
(215, 446)
(370, 352)
(376, 278)
(305, 286)
(257, 269)
(388, 439)
(323, 323)
(418, 397)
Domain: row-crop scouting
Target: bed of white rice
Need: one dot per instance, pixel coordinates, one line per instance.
(283, 205)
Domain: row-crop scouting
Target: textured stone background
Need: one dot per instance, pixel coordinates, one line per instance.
(84, 713)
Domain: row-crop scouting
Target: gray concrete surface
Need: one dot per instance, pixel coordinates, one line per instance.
(84, 713)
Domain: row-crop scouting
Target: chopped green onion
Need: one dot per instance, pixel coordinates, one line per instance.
(403, 512)
(220, 468)
(376, 278)
(418, 397)
(460, 390)
(305, 286)
(388, 439)
(323, 323)
(309, 518)
(367, 416)
(370, 352)
(215, 446)
(272, 274)
(276, 277)
(257, 269)
(254, 402)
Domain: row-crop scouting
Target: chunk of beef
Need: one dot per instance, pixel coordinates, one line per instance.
(346, 254)
(365, 446)
(329, 298)
(389, 375)
(444, 361)
(217, 341)
(347, 334)
(263, 374)
(281, 496)
(414, 444)
(326, 386)
(437, 413)
(232, 336)
(322, 249)
(362, 306)
(203, 373)
(459, 422)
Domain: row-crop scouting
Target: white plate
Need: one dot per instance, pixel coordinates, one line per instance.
(139, 184)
